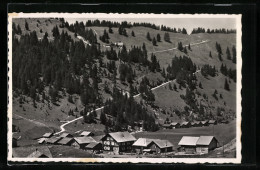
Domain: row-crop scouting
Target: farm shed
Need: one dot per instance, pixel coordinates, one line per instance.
(47, 135)
(206, 144)
(63, 135)
(118, 142)
(175, 125)
(53, 140)
(86, 133)
(82, 142)
(42, 140)
(188, 144)
(94, 146)
(205, 123)
(37, 154)
(66, 141)
(141, 144)
(197, 124)
(167, 126)
(185, 125)
(212, 122)
(161, 146)
(98, 138)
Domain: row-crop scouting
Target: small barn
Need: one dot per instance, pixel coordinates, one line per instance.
(141, 144)
(82, 142)
(197, 124)
(212, 122)
(47, 135)
(205, 123)
(175, 125)
(188, 144)
(66, 141)
(161, 146)
(167, 126)
(185, 125)
(98, 138)
(53, 140)
(86, 133)
(206, 144)
(42, 140)
(94, 146)
(37, 154)
(63, 135)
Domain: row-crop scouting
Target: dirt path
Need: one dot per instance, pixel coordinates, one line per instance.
(175, 48)
(63, 125)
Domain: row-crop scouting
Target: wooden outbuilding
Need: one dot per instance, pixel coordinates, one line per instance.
(205, 123)
(188, 144)
(206, 144)
(175, 125)
(86, 133)
(47, 135)
(94, 146)
(65, 134)
(185, 125)
(82, 142)
(53, 140)
(212, 122)
(66, 141)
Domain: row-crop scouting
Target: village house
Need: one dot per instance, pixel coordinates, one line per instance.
(188, 144)
(66, 141)
(175, 125)
(86, 133)
(42, 140)
(185, 125)
(205, 123)
(212, 122)
(206, 144)
(53, 140)
(94, 146)
(98, 138)
(63, 135)
(167, 126)
(47, 135)
(82, 142)
(118, 142)
(141, 144)
(197, 124)
(37, 154)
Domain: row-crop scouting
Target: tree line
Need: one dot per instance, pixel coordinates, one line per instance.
(212, 31)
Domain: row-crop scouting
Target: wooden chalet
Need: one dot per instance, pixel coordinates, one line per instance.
(167, 126)
(206, 144)
(47, 135)
(118, 142)
(98, 138)
(205, 123)
(63, 135)
(212, 122)
(188, 144)
(37, 154)
(82, 142)
(86, 133)
(42, 140)
(175, 125)
(94, 146)
(66, 141)
(53, 140)
(161, 146)
(141, 144)
(185, 125)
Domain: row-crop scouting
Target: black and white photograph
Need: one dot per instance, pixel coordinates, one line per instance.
(97, 87)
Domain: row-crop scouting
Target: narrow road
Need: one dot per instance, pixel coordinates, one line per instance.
(62, 126)
(175, 48)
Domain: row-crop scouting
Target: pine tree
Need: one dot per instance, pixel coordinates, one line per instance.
(148, 36)
(200, 85)
(234, 54)
(228, 54)
(174, 87)
(210, 54)
(154, 42)
(220, 57)
(185, 50)
(189, 47)
(133, 33)
(158, 37)
(170, 86)
(167, 37)
(110, 30)
(226, 86)
(26, 26)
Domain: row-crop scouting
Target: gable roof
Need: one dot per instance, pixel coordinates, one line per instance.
(188, 140)
(53, 139)
(84, 140)
(41, 140)
(85, 133)
(63, 135)
(205, 140)
(122, 136)
(166, 125)
(204, 122)
(98, 138)
(212, 121)
(92, 145)
(163, 143)
(185, 123)
(174, 123)
(37, 154)
(142, 142)
(47, 135)
(65, 140)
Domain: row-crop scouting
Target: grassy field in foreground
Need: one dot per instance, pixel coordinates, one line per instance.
(223, 132)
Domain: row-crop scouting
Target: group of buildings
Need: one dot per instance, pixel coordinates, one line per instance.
(124, 142)
(187, 124)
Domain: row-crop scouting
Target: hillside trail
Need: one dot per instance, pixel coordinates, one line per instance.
(175, 48)
(63, 125)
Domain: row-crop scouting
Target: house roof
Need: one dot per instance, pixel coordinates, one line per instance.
(142, 142)
(166, 125)
(65, 140)
(63, 135)
(41, 140)
(184, 123)
(174, 123)
(163, 143)
(84, 140)
(36, 154)
(47, 135)
(25, 151)
(188, 140)
(212, 121)
(98, 138)
(53, 139)
(205, 140)
(92, 145)
(122, 136)
(85, 133)
(204, 122)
